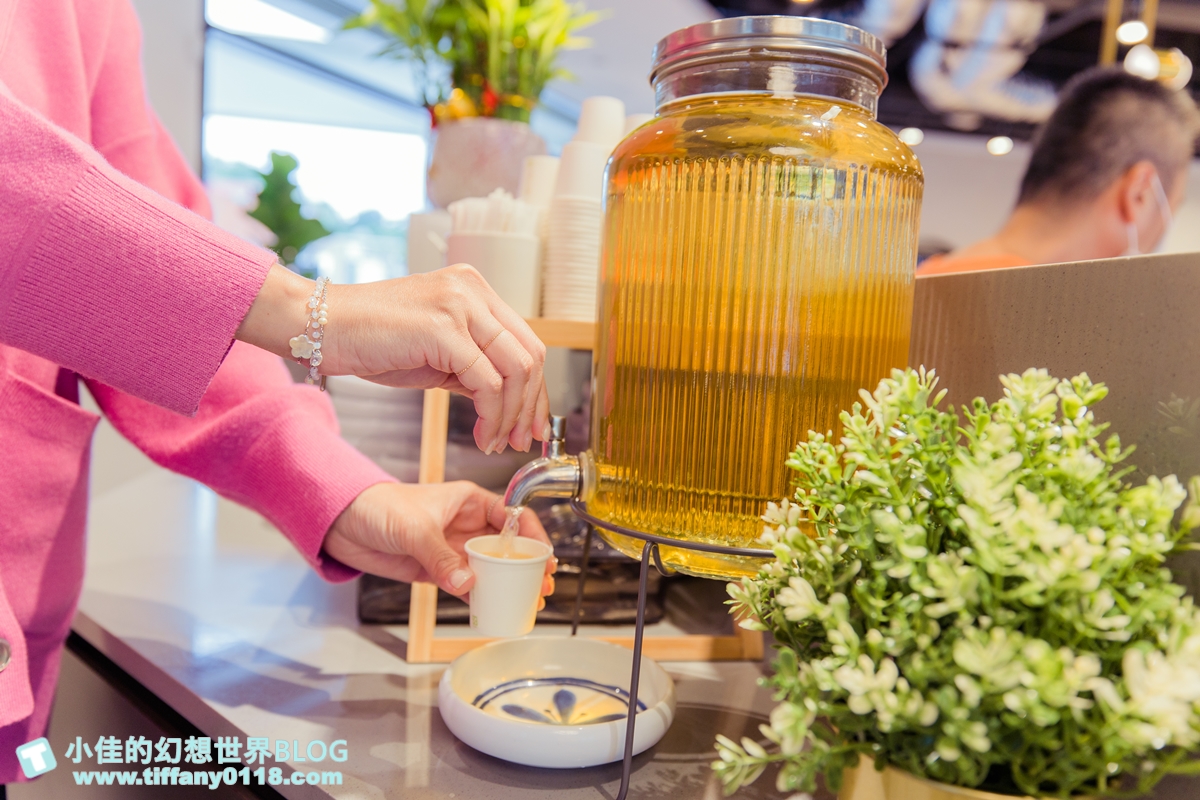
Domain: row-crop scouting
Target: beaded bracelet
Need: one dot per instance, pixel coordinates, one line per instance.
(307, 346)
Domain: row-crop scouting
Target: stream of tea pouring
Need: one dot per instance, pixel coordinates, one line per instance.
(555, 474)
(508, 534)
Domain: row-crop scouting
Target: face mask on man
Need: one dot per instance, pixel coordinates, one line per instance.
(1164, 208)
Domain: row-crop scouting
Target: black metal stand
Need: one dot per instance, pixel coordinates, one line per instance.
(649, 551)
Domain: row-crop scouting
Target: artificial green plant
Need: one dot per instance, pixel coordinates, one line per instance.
(980, 602)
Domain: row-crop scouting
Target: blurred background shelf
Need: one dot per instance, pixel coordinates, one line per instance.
(567, 333)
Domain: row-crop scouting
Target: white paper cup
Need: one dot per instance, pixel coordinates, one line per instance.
(538, 176)
(581, 171)
(601, 120)
(509, 262)
(504, 597)
(427, 232)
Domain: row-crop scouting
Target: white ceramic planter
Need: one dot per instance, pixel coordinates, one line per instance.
(474, 156)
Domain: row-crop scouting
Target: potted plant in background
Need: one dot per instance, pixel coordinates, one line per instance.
(977, 604)
(481, 66)
(280, 211)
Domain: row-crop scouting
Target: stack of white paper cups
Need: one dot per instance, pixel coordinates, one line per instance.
(573, 234)
(538, 177)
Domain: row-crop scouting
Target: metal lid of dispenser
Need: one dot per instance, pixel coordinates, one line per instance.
(778, 37)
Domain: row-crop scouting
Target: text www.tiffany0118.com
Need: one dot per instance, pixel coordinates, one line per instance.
(230, 776)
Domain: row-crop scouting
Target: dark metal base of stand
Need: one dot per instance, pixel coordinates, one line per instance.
(649, 552)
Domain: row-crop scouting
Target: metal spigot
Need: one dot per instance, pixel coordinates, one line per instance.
(555, 474)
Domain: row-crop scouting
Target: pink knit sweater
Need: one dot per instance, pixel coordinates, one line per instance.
(108, 267)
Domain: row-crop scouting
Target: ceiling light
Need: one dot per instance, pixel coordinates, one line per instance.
(999, 145)
(1175, 69)
(1143, 62)
(259, 18)
(911, 136)
(1132, 32)
(1169, 67)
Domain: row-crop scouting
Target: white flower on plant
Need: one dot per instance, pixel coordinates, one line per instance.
(1039, 521)
(948, 750)
(864, 678)
(969, 687)
(1163, 693)
(991, 656)
(799, 600)
(953, 582)
(1095, 613)
(871, 690)
(1081, 466)
(790, 723)
(974, 736)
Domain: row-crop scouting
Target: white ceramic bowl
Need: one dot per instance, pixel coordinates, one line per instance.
(553, 701)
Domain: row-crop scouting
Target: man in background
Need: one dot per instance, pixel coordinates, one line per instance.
(1108, 170)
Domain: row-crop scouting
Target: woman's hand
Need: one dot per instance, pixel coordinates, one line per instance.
(445, 329)
(416, 532)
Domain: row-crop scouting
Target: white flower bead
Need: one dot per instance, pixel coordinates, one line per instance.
(302, 346)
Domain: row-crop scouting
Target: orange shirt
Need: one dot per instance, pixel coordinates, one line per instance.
(944, 264)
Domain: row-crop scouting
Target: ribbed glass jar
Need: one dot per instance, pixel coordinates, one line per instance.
(760, 241)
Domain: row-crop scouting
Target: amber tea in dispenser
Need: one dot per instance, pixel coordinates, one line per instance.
(760, 241)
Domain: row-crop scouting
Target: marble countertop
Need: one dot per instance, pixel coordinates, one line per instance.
(209, 608)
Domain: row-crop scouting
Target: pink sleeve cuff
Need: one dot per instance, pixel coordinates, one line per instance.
(126, 287)
(300, 474)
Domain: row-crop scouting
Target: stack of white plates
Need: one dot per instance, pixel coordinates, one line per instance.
(384, 424)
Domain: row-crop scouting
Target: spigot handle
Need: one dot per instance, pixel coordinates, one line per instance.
(556, 445)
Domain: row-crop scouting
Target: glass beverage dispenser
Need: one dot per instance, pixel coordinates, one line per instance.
(760, 241)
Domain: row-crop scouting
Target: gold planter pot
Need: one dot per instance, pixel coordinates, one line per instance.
(864, 783)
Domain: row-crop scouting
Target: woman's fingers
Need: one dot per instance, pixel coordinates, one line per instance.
(485, 384)
(530, 425)
(541, 415)
(516, 366)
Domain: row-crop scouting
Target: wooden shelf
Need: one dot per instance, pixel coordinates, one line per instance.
(564, 332)
(743, 646)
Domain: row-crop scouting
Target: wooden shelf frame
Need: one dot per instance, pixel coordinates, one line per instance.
(424, 647)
